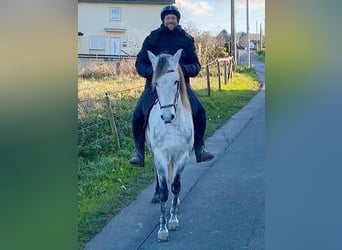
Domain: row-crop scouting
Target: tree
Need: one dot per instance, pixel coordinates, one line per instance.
(206, 45)
(209, 47)
(223, 36)
(224, 48)
(242, 40)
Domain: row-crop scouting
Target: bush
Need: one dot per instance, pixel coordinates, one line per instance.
(107, 69)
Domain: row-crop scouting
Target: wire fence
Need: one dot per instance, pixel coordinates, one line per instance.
(104, 122)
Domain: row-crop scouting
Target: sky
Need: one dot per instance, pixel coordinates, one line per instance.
(214, 15)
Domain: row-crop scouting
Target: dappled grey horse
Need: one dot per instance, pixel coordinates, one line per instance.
(169, 134)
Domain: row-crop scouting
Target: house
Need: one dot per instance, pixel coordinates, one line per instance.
(116, 28)
(251, 46)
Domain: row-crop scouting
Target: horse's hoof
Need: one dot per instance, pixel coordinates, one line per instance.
(173, 225)
(163, 236)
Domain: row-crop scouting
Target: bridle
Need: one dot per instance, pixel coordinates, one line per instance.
(175, 102)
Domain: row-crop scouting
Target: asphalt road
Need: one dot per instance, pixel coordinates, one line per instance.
(222, 201)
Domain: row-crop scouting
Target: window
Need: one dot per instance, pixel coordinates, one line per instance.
(115, 14)
(97, 42)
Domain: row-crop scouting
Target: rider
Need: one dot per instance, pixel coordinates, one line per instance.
(168, 38)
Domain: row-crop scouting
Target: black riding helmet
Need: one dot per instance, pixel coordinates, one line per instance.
(170, 9)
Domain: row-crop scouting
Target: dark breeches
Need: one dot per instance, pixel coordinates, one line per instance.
(140, 114)
(144, 105)
(199, 118)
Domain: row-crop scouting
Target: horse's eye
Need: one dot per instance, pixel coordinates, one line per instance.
(176, 82)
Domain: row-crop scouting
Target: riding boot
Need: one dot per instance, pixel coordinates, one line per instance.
(138, 157)
(202, 155)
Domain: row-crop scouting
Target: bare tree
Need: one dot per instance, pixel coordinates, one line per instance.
(209, 47)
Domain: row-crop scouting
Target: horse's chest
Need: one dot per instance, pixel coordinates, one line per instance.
(172, 135)
(177, 136)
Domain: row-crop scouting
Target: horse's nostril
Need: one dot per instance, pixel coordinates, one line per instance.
(162, 117)
(172, 117)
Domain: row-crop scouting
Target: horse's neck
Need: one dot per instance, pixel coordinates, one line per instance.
(184, 102)
(180, 105)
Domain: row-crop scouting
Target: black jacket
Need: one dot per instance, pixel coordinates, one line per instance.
(162, 40)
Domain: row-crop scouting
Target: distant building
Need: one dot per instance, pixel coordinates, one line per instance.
(252, 46)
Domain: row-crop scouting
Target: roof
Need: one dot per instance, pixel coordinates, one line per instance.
(130, 1)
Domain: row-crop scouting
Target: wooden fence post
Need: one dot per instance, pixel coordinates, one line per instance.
(219, 74)
(225, 72)
(208, 78)
(112, 121)
(117, 68)
(231, 68)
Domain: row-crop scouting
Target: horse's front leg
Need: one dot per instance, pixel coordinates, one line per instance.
(163, 233)
(176, 187)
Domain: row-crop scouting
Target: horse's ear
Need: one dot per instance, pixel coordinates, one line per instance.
(177, 56)
(153, 59)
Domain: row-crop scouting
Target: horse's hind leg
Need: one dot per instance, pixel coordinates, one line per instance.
(176, 187)
(156, 198)
(163, 233)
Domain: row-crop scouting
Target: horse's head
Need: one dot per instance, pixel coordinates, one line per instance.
(166, 81)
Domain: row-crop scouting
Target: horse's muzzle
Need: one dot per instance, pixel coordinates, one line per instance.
(167, 118)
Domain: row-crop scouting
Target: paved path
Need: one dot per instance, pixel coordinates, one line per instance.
(222, 201)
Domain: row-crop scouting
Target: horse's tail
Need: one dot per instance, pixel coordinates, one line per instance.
(170, 173)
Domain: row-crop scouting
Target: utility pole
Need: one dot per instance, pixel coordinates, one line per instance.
(260, 36)
(256, 36)
(232, 30)
(248, 38)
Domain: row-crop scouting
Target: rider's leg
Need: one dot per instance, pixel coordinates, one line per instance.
(139, 119)
(200, 122)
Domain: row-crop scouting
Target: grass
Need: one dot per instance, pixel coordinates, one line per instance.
(107, 183)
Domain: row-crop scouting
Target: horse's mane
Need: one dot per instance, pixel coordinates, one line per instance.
(161, 69)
